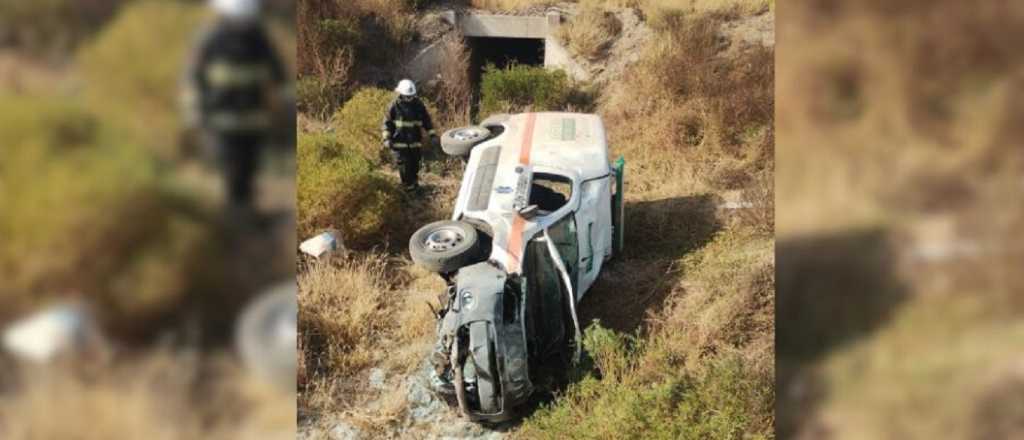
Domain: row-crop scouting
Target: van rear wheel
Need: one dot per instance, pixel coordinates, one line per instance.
(459, 141)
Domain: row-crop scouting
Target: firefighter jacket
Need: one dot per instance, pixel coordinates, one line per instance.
(230, 80)
(403, 123)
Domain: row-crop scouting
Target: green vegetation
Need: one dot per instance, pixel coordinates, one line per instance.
(705, 370)
(520, 88)
(73, 182)
(130, 86)
(338, 188)
(358, 122)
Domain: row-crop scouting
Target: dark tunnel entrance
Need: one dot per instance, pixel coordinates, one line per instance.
(500, 52)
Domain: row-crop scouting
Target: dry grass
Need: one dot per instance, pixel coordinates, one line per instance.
(332, 35)
(704, 286)
(159, 395)
(888, 122)
(355, 314)
(697, 288)
(343, 312)
(453, 92)
(713, 113)
(590, 32)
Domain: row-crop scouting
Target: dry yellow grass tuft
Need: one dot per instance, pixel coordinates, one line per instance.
(590, 32)
(358, 313)
(158, 395)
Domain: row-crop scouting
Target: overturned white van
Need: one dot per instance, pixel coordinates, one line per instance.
(538, 214)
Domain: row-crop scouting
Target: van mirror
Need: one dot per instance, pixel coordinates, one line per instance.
(529, 211)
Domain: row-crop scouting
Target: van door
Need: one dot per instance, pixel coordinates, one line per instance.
(594, 231)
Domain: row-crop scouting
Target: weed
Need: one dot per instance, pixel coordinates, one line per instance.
(340, 189)
(140, 95)
(520, 88)
(591, 32)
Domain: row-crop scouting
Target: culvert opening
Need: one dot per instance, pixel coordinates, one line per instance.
(500, 52)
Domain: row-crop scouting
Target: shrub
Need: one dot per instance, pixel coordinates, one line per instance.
(520, 88)
(132, 71)
(326, 42)
(591, 32)
(88, 215)
(358, 123)
(333, 34)
(727, 400)
(339, 189)
(713, 111)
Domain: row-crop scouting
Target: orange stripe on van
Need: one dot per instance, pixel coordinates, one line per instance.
(515, 235)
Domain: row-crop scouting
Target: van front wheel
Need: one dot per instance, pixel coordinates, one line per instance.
(444, 246)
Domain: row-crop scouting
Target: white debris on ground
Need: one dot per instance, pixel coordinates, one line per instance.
(62, 330)
(325, 244)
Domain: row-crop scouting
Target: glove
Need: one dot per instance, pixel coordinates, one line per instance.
(387, 144)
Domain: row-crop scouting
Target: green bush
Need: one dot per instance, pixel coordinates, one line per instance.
(725, 400)
(340, 189)
(521, 88)
(317, 97)
(133, 68)
(85, 212)
(358, 122)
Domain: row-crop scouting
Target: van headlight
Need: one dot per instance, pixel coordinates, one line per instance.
(468, 301)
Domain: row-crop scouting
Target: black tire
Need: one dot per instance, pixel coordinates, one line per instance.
(264, 335)
(487, 379)
(495, 120)
(459, 141)
(444, 246)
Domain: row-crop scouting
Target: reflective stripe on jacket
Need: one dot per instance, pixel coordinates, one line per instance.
(403, 122)
(230, 74)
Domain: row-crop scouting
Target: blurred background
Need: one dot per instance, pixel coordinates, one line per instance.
(145, 290)
(900, 304)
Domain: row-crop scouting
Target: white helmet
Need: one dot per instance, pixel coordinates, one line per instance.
(237, 9)
(406, 88)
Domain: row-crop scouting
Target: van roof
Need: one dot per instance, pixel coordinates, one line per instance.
(567, 141)
(500, 171)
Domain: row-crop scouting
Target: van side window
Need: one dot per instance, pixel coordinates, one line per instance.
(550, 192)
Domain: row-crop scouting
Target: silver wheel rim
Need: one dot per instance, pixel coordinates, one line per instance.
(466, 134)
(444, 239)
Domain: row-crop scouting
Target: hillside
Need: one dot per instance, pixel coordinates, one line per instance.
(680, 332)
(106, 214)
(899, 274)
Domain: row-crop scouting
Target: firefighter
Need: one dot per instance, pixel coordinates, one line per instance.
(230, 84)
(403, 126)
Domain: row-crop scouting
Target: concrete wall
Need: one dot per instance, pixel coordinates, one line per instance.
(426, 64)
